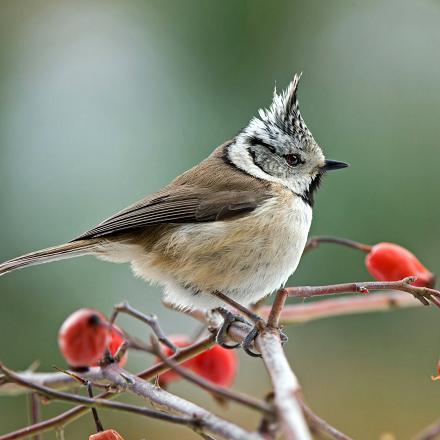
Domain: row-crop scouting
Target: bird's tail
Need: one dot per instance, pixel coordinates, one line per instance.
(68, 250)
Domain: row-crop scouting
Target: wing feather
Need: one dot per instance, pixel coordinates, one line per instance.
(179, 205)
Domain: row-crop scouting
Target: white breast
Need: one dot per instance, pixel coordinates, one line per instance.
(247, 258)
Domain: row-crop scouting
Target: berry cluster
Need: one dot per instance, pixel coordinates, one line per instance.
(87, 336)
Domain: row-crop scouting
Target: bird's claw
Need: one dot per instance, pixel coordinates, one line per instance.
(222, 333)
(253, 334)
(248, 341)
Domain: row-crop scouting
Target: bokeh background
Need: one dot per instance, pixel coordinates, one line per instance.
(102, 103)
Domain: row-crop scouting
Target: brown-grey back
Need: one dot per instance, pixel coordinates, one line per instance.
(213, 190)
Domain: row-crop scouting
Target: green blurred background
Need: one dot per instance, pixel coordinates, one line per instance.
(103, 102)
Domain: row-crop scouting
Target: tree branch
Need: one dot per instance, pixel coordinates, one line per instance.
(211, 387)
(150, 320)
(35, 411)
(60, 380)
(284, 381)
(93, 402)
(430, 433)
(190, 414)
(174, 404)
(285, 385)
(424, 294)
(321, 425)
(305, 312)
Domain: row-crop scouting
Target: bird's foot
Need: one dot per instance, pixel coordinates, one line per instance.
(222, 333)
(247, 343)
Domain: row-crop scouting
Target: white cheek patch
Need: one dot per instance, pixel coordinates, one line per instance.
(239, 155)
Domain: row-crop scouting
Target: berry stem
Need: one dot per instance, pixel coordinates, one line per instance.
(314, 243)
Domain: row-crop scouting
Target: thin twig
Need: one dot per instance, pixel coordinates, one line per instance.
(430, 433)
(58, 380)
(89, 386)
(314, 242)
(74, 413)
(183, 355)
(321, 425)
(35, 412)
(277, 308)
(95, 402)
(47, 425)
(97, 420)
(209, 422)
(61, 380)
(305, 312)
(191, 416)
(150, 320)
(423, 294)
(218, 391)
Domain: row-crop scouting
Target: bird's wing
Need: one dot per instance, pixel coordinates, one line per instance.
(180, 205)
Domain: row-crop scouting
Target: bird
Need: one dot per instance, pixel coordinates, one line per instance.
(236, 223)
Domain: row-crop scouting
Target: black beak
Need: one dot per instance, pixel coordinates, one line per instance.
(331, 165)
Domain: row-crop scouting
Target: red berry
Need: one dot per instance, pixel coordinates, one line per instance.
(83, 337)
(218, 365)
(391, 262)
(438, 371)
(171, 376)
(108, 434)
(117, 339)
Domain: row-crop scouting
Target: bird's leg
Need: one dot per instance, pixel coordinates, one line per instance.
(229, 318)
(249, 313)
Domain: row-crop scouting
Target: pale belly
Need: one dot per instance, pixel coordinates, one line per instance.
(246, 259)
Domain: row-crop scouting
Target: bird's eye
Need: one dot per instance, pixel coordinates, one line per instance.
(292, 159)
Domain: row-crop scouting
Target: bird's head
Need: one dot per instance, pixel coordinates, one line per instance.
(277, 146)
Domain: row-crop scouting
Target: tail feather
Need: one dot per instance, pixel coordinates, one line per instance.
(68, 250)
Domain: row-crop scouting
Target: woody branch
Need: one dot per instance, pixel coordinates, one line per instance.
(288, 403)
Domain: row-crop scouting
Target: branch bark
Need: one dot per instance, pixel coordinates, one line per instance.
(285, 386)
(178, 410)
(430, 433)
(305, 312)
(287, 402)
(174, 404)
(424, 294)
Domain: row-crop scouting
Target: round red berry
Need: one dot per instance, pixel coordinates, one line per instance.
(83, 337)
(218, 365)
(108, 434)
(391, 262)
